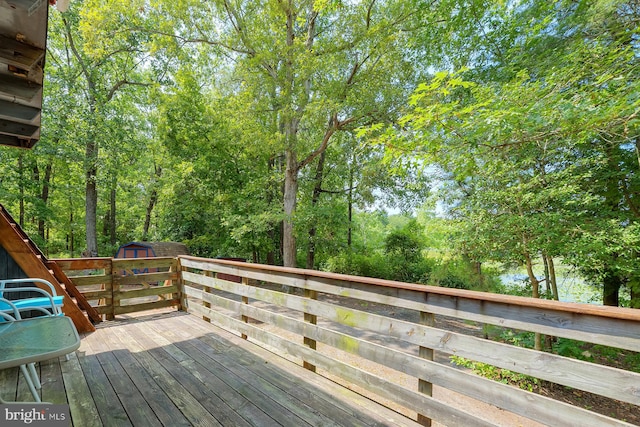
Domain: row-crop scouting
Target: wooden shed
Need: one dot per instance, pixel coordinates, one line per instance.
(151, 249)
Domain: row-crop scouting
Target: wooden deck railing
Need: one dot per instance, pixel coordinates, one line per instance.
(118, 286)
(327, 316)
(328, 324)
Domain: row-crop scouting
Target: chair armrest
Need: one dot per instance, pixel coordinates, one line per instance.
(46, 304)
(6, 316)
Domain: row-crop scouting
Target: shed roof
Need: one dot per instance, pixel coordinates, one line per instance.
(162, 249)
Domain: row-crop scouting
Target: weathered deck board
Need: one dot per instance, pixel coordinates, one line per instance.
(133, 402)
(174, 369)
(52, 382)
(163, 407)
(111, 411)
(81, 404)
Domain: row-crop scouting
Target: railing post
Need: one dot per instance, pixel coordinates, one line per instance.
(245, 300)
(180, 285)
(115, 289)
(426, 387)
(313, 319)
(208, 291)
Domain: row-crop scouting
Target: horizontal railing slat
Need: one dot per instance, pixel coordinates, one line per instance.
(144, 278)
(133, 308)
(139, 293)
(84, 263)
(93, 295)
(80, 281)
(142, 263)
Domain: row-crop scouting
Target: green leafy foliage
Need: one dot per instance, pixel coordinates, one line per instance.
(519, 123)
(504, 376)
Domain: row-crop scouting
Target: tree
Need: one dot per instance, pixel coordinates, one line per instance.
(321, 67)
(540, 157)
(94, 77)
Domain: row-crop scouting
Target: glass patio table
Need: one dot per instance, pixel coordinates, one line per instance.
(35, 340)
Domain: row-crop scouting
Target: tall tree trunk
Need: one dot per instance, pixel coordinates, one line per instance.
(291, 157)
(611, 289)
(545, 263)
(635, 295)
(350, 206)
(535, 283)
(535, 293)
(106, 224)
(91, 148)
(44, 196)
(147, 217)
(290, 201)
(35, 178)
(91, 197)
(153, 199)
(71, 236)
(553, 282)
(271, 254)
(315, 198)
(112, 209)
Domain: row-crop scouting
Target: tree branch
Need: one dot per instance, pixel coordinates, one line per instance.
(121, 83)
(334, 125)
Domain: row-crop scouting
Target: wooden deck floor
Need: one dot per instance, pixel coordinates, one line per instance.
(174, 369)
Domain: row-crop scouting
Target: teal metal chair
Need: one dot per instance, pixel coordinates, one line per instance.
(26, 341)
(49, 304)
(9, 312)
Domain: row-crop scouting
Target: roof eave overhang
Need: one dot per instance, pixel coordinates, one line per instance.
(23, 39)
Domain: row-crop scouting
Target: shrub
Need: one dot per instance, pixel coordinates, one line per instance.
(374, 265)
(505, 376)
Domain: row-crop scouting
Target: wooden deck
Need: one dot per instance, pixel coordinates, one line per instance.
(174, 369)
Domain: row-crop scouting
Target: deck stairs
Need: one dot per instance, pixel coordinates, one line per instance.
(35, 264)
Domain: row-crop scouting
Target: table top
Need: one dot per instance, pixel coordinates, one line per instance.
(36, 339)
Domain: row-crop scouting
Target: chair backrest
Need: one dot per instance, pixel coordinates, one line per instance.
(30, 303)
(24, 283)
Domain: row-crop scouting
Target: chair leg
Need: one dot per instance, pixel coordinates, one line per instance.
(34, 375)
(27, 377)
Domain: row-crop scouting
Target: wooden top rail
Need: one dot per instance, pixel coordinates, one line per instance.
(611, 326)
(568, 307)
(83, 263)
